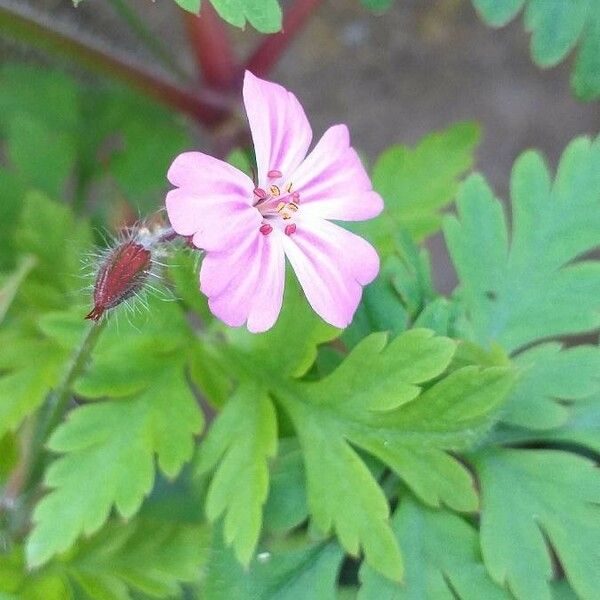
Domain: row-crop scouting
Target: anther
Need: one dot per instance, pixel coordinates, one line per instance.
(288, 188)
(296, 197)
(265, 229)
(274, 174)
(289, 229)
(275, 191)
(260, 193)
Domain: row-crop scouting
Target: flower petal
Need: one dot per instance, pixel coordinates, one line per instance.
(216, 222)
(333, 183)
(268, 297)
(209, 176)
(247, 283)
(233, 303)
(331, 264)
(280, 130)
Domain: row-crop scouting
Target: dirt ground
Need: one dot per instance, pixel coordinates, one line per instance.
(394, 77)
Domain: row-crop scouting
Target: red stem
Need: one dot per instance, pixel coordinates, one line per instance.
(209, 108)
(272, 47)
(212, 48)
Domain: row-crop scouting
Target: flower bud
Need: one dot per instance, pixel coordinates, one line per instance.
(122, 274)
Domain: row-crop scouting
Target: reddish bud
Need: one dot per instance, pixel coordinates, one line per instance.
(274, 174)
(289, 229)
(260, 193)
(123, 273)
(265, 229)
(296, 197)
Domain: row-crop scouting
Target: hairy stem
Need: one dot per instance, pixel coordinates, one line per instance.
(53, 411)
(212, 48)
(269, 51)
(143, 33)
(208, 107)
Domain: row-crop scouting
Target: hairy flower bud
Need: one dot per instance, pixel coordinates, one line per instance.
(122, 274)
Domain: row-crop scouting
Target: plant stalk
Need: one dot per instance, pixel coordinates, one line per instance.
(55, 407)
(208, 107)
(269, 51)
(212, 48)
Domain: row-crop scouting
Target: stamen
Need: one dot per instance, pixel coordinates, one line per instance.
(260, 193)
(274, 174)
(289, 229)
(265, 229)
(288, 188)
(275, 191)
(296, 197)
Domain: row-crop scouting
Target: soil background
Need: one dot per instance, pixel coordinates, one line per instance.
(392, 78)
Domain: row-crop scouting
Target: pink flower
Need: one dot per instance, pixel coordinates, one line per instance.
(247, 230)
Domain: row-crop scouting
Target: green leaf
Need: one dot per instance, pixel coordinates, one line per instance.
(287, 571)
(192, 6)
(376, 6)
(12, 191)
(374, 401)
(551, 374)
(108, 459)
(10, 285)
(241, 440)
(531, 498)
(25, 382)
(150, 557)
(530, 289)
(557, 26)
(498, 13)
(49, 232)
(585, 79)
(413, 198)
(263, 15)
(443, 559)
(582, 427)
(402, 290)
(290, 347)
(286, 506)
(43, 158)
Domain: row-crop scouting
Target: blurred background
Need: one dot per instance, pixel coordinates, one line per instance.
(392, 78)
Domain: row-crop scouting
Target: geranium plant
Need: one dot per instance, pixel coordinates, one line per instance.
(253, 390)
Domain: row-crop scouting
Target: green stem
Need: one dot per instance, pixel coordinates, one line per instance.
(139, 28)
(57, 403)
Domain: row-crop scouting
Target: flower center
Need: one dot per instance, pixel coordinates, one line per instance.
(277, 205)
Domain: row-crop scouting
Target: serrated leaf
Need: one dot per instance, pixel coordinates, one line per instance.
(413, 198)
(286, 506)
(241, 440)
(192, 6)
(263, 15)
(531, 498)
(582, 428)
(287, 571)
(549, 375)
(27, 379)
(49, 232)
(290, 347)
(145, 556)
(443, 559)
(108, 459)
(372, 401)
(557, 26)
(530, 289)
(402, 289)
